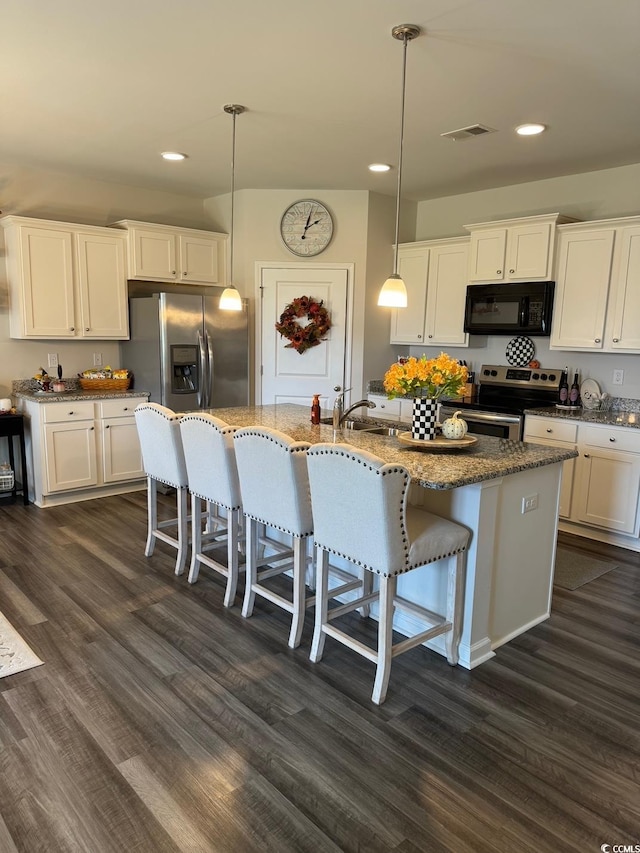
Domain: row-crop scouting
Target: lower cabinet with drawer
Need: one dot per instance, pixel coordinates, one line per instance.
(82, 449)
(601, 487)
(557, 433)
(608, 477)
(392, 410)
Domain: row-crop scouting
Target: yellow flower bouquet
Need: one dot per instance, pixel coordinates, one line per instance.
(426, 377)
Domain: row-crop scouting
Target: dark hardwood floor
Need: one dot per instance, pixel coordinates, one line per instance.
(161, 722)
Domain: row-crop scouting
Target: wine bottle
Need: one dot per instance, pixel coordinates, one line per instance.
(563, 395)
(574, 393)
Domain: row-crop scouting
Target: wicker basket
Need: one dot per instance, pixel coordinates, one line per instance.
(104, 384)
(6, 480)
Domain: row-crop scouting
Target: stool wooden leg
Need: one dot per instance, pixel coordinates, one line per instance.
(232, 557)
(299, 592)
(322, 604)
(152, 515)
(251, 530)
(385, 639)
(455, 601)
(367, 585)
(196, 538)
(183, 530)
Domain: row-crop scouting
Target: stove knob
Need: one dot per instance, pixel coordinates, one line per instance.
(543, 376)
(552, 377)
(535, 376)
(494, 372)
(485, 373)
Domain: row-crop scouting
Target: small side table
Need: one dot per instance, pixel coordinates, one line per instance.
(12, 426)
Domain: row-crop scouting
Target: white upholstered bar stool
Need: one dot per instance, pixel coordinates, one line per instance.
(210, 457)
(360, 513)
(163, 462)
(275, 492)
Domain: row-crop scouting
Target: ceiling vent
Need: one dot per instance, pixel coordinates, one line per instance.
(468, 132)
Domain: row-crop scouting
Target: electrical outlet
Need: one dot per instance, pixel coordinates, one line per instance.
(529, 503)
(52, 359)
(618, 376)
(97, 359)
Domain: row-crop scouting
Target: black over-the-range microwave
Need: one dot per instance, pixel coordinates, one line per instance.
(505, 309)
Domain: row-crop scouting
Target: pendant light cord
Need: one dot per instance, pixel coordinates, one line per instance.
(233, 188)
(405, 41)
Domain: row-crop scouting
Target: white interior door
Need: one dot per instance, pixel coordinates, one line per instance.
(289, 376)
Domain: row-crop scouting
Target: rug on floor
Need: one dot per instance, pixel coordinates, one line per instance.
(574, 570)
(15, 654)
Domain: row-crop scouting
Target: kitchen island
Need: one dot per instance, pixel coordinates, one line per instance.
(486, 487)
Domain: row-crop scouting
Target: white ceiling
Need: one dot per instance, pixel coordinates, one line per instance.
(100, 87)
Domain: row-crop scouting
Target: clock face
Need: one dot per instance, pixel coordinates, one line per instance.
(306, 227)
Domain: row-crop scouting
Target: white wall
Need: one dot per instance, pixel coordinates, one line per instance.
(49, 195)
(363, 233)
(593, 195)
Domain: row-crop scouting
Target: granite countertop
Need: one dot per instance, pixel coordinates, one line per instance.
(75, 395)
(590, 416)
(489, 459)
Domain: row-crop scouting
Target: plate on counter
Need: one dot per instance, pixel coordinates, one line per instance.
(437, 443)
(520, 351)
(590, 394)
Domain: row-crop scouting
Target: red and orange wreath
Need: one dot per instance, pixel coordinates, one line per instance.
(304, 337)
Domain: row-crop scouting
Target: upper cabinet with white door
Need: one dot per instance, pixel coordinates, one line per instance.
(65, 280)
(435, 274)
(165, 253)
(597, 299)
(514, 249)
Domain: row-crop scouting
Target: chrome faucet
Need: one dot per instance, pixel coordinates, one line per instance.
(339, 415)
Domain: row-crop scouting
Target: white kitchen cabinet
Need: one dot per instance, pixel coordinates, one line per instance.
(400, 409)
(69, 436)
(513, 249)
(119, 444)
(65, 280)
(166, 253)
(435, 274)
(558, 433)
(597, 299)
(82, 449)
(608, 478)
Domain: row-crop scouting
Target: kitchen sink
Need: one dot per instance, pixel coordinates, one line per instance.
(359, 426)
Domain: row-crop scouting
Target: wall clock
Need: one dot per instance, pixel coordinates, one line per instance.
(306, 227)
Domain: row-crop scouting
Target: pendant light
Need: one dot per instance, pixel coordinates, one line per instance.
(231, 299)
(393, 293)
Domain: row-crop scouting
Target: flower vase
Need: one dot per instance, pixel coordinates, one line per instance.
(423, 424)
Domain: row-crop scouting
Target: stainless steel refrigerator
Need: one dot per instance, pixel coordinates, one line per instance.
(187, 352)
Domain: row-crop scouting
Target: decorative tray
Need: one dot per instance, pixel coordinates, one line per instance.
(437, 443)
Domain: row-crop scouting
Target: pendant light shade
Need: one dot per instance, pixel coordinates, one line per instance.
(393, 292)
(231, 299)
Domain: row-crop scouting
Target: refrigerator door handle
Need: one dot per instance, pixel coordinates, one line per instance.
(211, 373)
(202, 387)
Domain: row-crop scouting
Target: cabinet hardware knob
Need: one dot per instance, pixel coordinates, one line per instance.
(126, 409)
(87, 329)
(597, 340)
(173, 272)
(549, 429)
(587, 456)
(430, 336)
(382, 406)
(612, 439)
(184, 273)
(72, 413)
(511, 271)
(419, 337)
(498, 272)
(615, 340)
(72, 328)
(91, 428)
(106, 426)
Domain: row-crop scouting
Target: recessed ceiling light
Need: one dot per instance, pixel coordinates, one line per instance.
(173, 155)
(530, 129)
(379, 167)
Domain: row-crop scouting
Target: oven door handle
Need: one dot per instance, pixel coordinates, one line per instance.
(494, 419)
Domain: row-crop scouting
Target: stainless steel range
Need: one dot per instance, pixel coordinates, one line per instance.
(503, 395)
